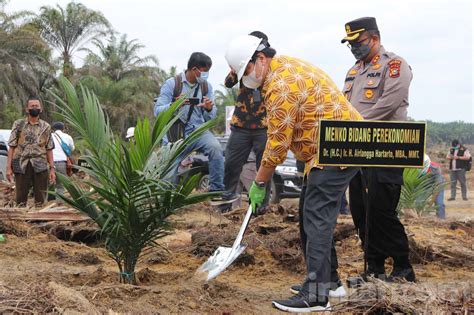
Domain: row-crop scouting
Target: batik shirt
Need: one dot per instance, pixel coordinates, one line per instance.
(249, 111)
(31, 141)
(297, 95)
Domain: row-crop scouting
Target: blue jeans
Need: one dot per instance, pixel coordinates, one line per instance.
(208, 145)
(439, 202)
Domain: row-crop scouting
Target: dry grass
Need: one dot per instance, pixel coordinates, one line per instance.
(31, 298)
(378, 297)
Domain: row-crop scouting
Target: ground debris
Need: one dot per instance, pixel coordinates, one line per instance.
(445, 243)
(378, 297)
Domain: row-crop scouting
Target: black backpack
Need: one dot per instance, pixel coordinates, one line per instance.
(176, 131)
(469, 164)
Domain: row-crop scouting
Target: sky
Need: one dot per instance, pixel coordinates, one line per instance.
(434, 36)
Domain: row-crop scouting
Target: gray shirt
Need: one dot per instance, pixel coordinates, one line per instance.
(379, 89)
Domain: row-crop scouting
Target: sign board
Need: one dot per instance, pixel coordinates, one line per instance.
(371, 143)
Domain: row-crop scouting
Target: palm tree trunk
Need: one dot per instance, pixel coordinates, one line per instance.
(67, 65)
(127, 268)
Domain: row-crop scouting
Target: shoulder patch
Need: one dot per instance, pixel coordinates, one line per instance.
(395, 62)
(394, 68)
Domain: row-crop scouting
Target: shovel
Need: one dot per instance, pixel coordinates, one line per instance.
(223, 257)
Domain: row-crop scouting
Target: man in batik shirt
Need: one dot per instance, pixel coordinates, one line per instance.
(297, 95)
(30, 155)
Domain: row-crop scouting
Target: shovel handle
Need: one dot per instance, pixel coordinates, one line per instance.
(243, 228)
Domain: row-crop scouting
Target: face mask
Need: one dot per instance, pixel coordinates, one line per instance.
(361, 52)
(34, 112)
(251, 81)
(204, 76)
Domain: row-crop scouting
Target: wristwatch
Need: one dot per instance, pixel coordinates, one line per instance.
(260, 184)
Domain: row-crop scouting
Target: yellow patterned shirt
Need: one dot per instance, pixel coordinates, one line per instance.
(297, 95)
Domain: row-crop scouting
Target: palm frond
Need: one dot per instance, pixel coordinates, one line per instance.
(130, 194)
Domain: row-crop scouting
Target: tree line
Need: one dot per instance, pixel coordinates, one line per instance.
(125, 81)
(438, 132)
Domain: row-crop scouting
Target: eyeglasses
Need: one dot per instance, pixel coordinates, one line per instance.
(357, 44)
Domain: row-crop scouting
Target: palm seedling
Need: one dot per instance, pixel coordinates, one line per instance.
(418, 192)
(130, 193)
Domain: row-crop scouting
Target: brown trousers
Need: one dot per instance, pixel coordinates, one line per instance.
(23, 183)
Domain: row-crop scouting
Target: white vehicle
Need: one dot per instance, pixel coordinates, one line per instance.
(4, 136)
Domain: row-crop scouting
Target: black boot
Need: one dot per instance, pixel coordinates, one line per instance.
(402, 273)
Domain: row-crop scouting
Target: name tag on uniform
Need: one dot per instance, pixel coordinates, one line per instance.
(373, 75)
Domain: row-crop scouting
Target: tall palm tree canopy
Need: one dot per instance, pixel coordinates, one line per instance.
(23, 57)
(118, 58)
(69, 29)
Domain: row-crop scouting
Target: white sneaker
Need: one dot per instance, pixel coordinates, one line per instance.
(338, 293)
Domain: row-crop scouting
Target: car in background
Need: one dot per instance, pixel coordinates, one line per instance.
(4, 136)
(286, 181)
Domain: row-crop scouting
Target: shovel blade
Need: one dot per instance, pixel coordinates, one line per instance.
(222, 258)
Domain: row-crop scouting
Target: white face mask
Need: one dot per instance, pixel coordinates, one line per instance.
(251, 81)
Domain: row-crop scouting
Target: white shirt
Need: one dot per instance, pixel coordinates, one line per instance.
(58, 152)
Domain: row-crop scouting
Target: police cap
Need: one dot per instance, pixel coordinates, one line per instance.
(356, 27)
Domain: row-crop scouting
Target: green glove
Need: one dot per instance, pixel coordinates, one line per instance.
(256, 195)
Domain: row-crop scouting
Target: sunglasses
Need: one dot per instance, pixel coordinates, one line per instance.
(357, 44)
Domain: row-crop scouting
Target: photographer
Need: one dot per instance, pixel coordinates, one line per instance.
(193, 84)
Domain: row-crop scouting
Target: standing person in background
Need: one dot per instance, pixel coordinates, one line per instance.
(377, 86)
(248, 131)
(435, 170)
(63, 147)
(458, 157)
(30, 154)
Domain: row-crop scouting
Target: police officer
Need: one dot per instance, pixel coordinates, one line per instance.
(377, 86)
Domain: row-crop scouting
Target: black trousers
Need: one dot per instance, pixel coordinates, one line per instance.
(23, 182)
(387, 237)
(241, 142)
(304, 237)
(323, 196)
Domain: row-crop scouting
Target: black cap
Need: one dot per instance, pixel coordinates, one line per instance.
(57, 125)
(356, 27)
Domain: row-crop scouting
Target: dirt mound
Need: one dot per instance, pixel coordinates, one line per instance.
(18, 228)
(39, 298)
(272, 232)
(447, 243)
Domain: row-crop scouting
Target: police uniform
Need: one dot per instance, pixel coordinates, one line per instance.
(379, 91)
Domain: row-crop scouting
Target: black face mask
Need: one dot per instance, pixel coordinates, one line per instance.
(34, 112)
(360, 51)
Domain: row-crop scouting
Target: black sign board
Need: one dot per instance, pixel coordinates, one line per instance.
(371, 143)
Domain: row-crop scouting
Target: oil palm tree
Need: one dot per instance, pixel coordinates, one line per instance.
(23, 55)
(223, 99)
(124, 81)
(119, 59)
(125, 101)
(131, 195)
(67, 29)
